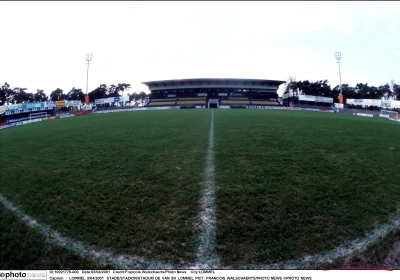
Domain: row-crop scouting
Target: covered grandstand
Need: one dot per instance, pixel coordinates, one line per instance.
(213, 93)
(25, 112)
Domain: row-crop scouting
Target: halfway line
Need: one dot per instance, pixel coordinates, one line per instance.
(207, 255)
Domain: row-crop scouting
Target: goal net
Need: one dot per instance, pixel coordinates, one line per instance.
(389, 114)
(38, 115)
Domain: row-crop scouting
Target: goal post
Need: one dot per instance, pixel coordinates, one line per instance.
(389, 114)
(38, 115)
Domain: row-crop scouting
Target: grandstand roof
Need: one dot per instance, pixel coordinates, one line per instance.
(214, 83)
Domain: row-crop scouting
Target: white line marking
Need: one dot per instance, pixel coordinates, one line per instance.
(344, 250)
(206, 255)
(90, 252)
(134, 262)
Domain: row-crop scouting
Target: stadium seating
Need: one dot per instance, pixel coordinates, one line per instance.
(228, 102)
(194, 102)
(197, 101)
(154, 104)
(191, 98)
(185, 101)
(267, 103)
(163, 99)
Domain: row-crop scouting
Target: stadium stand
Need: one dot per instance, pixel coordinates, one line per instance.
(213, 92)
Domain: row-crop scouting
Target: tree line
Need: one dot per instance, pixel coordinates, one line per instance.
(16, 95)
(293, 88)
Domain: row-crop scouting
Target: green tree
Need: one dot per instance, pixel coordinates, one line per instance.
(57, 95)
(384, 91)
(142, 96)
(347, 91)
(321, 88)
(19, 95)
(396, 91)
(123, 87)
(113, 91)
(30, 97)
(40, 96)
(98, 93)
(362, 90)
(76, 94)
(133, 97)
(305, 87)
(291, 92)
(5, 93)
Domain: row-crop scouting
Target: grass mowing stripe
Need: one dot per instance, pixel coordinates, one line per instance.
(101, 256)
(207, 256)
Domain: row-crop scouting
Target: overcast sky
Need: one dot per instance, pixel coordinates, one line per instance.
(43, 44)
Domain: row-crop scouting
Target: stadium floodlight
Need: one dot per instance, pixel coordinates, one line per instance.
(89, 57)
(338, 56)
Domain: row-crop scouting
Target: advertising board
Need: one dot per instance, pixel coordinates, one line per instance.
(306, 98)
(365, 115)
(7, 113)
(70, 103)
(83, 113)
(364, 102)
(121, 99)
(394, 104)
(312, 98)
(323, 99)
(66, 116)
(50, 104)
(13, 107)
(358, 102)
(109, 100)
(372, 102)
(26, 106)
(60, 103)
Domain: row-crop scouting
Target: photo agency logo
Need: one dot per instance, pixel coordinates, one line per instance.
(19, 275)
